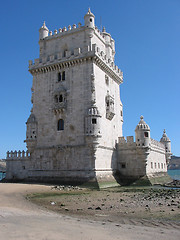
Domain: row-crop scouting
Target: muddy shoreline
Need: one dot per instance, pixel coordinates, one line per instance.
(139, 206)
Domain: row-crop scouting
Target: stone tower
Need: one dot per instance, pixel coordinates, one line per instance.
(167, 143)
(142, 132)
(76, 117)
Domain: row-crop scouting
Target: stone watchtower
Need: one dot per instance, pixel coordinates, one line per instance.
(167, 143)
(76, 117)
(142, 132)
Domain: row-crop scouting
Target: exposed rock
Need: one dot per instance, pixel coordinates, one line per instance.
(97, 208)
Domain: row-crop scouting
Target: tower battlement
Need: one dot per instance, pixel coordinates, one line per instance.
(76, 56)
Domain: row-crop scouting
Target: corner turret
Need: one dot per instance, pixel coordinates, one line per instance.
(92, 122)
(110, 45)
(89, 19)
(31, 133)
(43, 31)
(167, 143)
(142, 133)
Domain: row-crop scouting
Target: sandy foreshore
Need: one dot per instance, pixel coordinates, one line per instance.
(21, 219)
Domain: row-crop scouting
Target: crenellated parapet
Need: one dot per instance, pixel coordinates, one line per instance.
(126, 143)
(17, 155)
(62, 31)
(59, 61)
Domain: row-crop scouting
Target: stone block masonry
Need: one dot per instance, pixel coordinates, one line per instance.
(74, 131)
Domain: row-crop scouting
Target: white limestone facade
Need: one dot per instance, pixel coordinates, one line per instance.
(74, 131)
(76, 98)
(144, 156)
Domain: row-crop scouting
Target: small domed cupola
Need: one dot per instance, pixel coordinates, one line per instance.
(43, 31)
(89, 19)
(142, 132)
(142, 124)
(92, 122)
(166, 141)
(164, 137)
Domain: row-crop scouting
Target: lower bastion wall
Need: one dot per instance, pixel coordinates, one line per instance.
(134, 161)
(68, 164)
(156, 160)
(131, 160)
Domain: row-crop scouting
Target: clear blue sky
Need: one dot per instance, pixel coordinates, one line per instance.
(147, 38)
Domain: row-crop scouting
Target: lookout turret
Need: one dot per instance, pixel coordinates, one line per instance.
(89, 19)
(31, 133)
(43, 31)
(167, 143)
(142, 132)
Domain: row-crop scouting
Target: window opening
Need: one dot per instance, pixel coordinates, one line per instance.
(63, 75)
(123, 165)
(59, 77)
(64, 53)
(151, 164)
(60, 98)
(93, 120)
(60, 126)
(146, 134)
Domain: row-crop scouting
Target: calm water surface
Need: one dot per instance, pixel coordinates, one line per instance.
(175, 174)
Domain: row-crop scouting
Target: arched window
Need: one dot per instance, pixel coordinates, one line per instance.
(60, 98)
(60, 125)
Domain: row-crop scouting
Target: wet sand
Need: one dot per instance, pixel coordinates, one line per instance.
(21, 219)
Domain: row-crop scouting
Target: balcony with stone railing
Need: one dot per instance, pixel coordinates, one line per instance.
(17, 155)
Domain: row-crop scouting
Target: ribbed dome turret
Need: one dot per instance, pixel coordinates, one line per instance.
(164, 137)
(43, 31)
(142, 133)
(89, 19)
(142, 124)
(93, 111)
(44, 26)
(89, 13)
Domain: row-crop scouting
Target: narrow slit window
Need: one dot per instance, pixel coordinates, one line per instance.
(59, 77)
(60, 98)
(60, 126)
(63, 75)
